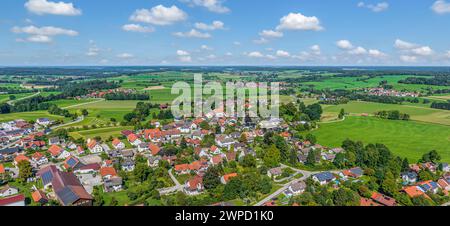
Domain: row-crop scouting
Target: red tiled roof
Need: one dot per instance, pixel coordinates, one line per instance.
(132, 137)
(383, 199)
(37, 155)
(217, 159)
(92, 144)
(229, 176)
(38, 196)
(116, 142)
(11, 200)
(181, 167)
(2, 169)
(21, 158)
(195, 165)
(108, 171)
(413, 191)
(368, 202)
(55, 150)
(154, 149)
(194, 182)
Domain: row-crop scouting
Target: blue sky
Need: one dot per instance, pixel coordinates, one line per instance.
(224, 32)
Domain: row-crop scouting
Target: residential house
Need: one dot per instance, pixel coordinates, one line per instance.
(54, 141)
(43, 121)
(428, 186)
(153, 161)
(128, 165)
(154, 149)
(324, 178)
(383, 199)
(224, 141)
(117, 144)
(39, 197)
(39, 159)
(66, 186)
(94, 147)
(182, 169)
(217, 159)
(295, 189)
(410, 177)
(20, 158)
(108, 172)
(414, 191)
(134, 139)
(356, 172)
(368, 202)
(113, 184)
(444, 183)
(275, 172)
(445, 167)
(226, 178)
(142, 147)
(71, 163)
(18, 200)
(8, 191)
(194, 186)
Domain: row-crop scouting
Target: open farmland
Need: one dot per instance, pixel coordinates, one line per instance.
(404, 138)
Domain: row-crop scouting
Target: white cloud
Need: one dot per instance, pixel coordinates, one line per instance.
(423, 51)
(41, 34)
(261, 40)
(47, 31)
(125, 56)
(184, 56)
(271, 34)
(379, 7)
(159, 15)
(212, 5)
(271, 57)
(192, 34)
(282, 53)
(441, 7)
(344, 44)
(448, 54)
(316, 49)
(358, 51)
(255, 54)
(216, 25)
(408, 59)
(211, 56)
(137, 28)
(230, 54)
(41, 7)
(205, 47)
(297, 21)
(400, 44)
(376, 53)
(236, 43)
(92, 51)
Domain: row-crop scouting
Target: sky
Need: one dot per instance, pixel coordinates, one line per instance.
(225, 32)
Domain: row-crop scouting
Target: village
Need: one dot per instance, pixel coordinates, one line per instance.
(55, 170)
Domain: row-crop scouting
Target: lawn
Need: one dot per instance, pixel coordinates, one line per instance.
(417, 113)
(404, 138)
(70, 102)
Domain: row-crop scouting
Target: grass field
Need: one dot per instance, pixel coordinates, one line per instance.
(29, 116)
(404, 138)
(104, 133)
(5, 97)
(423, 114)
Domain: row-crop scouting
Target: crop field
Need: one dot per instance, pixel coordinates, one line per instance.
(424, 114)
(357, 83)
(405, 138)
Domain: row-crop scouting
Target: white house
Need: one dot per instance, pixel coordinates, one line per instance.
(8, 191)
(43, 121)
(117, 144)
(94, 147)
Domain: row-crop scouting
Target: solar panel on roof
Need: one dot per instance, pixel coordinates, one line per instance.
(67, 196)
(47, 177)
(72, 162)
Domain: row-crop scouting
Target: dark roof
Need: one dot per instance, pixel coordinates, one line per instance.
(8, 151)
(11, 200)
(325, 176)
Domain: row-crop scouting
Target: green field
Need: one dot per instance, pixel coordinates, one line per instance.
(357, 83)
(424, 114)
(404, 138)
(29, 116)
(5, 97)
(104, 133)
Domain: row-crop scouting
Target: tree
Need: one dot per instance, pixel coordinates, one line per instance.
(12, 97)
(345, 197)
(84, 112)
(272, 157)
(212, 177)
(25, 170)
(249, 161)
(311, 158)
(114, 202)
(405, 165)
(342, 114)
(389, 185)
(311, 138)
(432, 156)
(98, 196)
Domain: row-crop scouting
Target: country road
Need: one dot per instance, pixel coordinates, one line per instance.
(78, 105)
(79, 119)
(177, 187)
(11, 102)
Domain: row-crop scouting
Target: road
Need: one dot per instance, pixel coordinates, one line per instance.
(176, 188)
(11, 102)
(79, 119)
(78, 105)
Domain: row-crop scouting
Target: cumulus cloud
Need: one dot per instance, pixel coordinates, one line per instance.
(358, 51)
(184, 56)
(379, 7)
(255, 54)
(412, 48)
(212, 5)
(125, 56)
(297, 21)
(41, 7)
(41, 34)
(159, 15)
(216, 25)
(316, 49)
(282, 53)
(441, 7)
(447, 54)
(408, 59)
(423, 51)
(261, 40)
(344, 44)
(205, 47)
(376, 53)
(192, 34)
(93, 49)
(137, 28)
(271, 34)
(400, 44)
